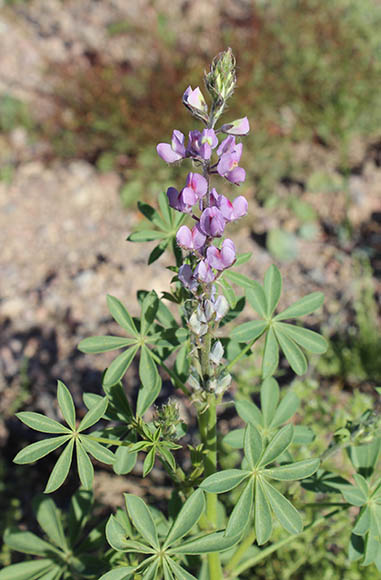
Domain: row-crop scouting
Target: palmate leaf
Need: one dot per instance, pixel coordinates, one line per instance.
(125, 461)
(141, 518)
(284, 511)
(213, 542)
(277, 446)
(36, 451)
(293, 353)
(293, 471)
(84, 465)
(39, 422)
(273, 288)
(223, 481)
(93, 415)
(61, 468)
(148, 394)
(270, 395)
(302, 307)
(262, 515)
(121, 315)
(253, 445)
(119, 367)
(49, 520)
(123, 573)
(178, 571)
(66, 404)
(188, 517)
(99, 452)
(27, 570)
(98, 344)
(28, 543)
(308, 339)
(256, 297)
(148, 312)
(270, 354)
(241, 513)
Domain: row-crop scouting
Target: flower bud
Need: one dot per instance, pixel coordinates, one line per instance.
(194, 100)
(237, 127)
(221, 80)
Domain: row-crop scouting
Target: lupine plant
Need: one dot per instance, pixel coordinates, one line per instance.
(218, 523)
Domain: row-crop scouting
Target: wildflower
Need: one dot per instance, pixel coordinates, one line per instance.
(194, 100)
(202, 143)
(230, 153)
(223, 258)
(212, 222)
(204, 272)
(230, 210)
(190, 239)
(237, 127)
(174, 151)
(186, 277)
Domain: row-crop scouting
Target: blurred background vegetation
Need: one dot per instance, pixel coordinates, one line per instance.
(309, 75)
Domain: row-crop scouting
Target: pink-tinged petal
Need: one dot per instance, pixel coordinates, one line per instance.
(226, 207)
(221, 307)
(239, 207)
(237, 127)
(166, 152)
(204, 272)
(214, 196)
(209, 136)
(178, 140)
(195, 98)
(206, 151)
(198, 238)
(184, 238)
(212, 222)
(238, 152)
(214, 258)
(228, 254)
(189, 197)
(237, 175)
(226, 146)
(225, 164)
(198, 183)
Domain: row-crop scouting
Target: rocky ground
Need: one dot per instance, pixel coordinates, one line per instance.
(63, 225)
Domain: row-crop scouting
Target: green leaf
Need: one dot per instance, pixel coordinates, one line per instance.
(53, 574)
(116, 534)
(223, 481)
(80, 508)
(262, 515)
(257, 299)
(148, 313)
(372, 547)
(66, 404)
(302, 307)
(149, 392)
(303, 435)
(26, 570)
(142, 519)
(28, 543)
(253, 445)
(49, 520)
(98, 451)
(213, 542)
(364, 457)
(297, 470)
(36, 451)
(119, 367)
(149, 461)
(39, 422)
(292, 352)
(273, 287)
(270, 354)
(249, 412)
(354, 495)
(363, 523)
(146, 236)
(123, 573)
(124, 461)
(148, 372)
(278, 445)
(85, 467)
(241, 513)
(235, 438)
(179, 572)
(151, 214)
(311, 341)
(269, 399)
(93, 415)
(362, 483)
(239, 279)
(188, 517)
(285, 512)
(287, 408)
(97, 344)
(150, 573)
(121, 315)
(182, 360)
(61, 469)
(243, 258)
(249, 331)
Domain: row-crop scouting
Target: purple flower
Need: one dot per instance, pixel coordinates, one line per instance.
(174, 151)
(175, 199)
(212, 222)
(194, 100)
(230, 153)
(200, 144)
(237, 127)
(195, 188)
(223, 258)
(190, 239)
(204, 272)
(230, 210)
(186, 277)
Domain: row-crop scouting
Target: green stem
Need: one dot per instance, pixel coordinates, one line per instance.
(207, 424)
(249, 563)
(240, 355)
(240, 552)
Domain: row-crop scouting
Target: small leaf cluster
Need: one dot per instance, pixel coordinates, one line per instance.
(291, 339)
(69, 437)
(66, 553)
(258, 493)
(161, 552)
